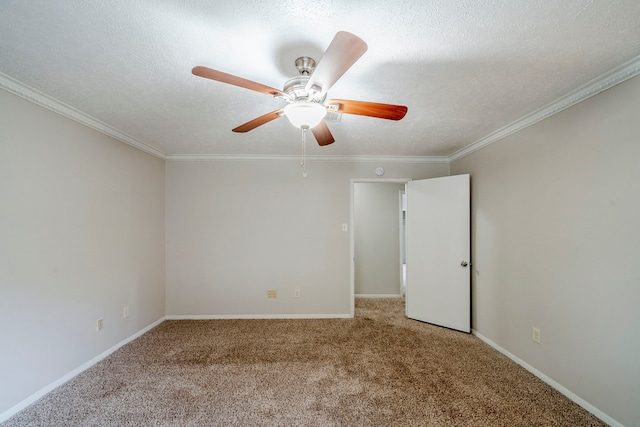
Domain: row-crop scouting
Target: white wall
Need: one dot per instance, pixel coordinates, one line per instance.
(556, 244)
(237, 229)
(81, 236)
(377, 238)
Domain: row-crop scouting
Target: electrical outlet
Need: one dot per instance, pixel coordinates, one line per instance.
(296, 293)
(125, 312)
(345, 227)
(272, 293)
(100, 324)
(536, 335)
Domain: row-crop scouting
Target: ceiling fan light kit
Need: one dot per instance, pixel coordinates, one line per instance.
(305, 94)
(305, 114)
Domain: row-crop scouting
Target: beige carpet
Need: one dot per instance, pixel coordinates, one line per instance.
(379, 369)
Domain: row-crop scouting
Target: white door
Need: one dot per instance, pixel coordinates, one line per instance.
(438, 252)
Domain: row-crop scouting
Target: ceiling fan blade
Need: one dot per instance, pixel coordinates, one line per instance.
(220, 76)
(342, 53)
(371, 109)
(323, 134)
(259, 121)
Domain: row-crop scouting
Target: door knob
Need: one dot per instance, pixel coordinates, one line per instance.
(464, 263)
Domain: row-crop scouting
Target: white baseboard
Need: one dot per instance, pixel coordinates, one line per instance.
(574, 397)
(254, 316)
(57, 383)
(378, 296)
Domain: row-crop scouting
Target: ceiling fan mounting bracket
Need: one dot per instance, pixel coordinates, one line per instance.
(305, 65)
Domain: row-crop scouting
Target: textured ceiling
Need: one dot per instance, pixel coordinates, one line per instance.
(464, 68)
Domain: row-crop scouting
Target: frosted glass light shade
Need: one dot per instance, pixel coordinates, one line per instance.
(305, 114)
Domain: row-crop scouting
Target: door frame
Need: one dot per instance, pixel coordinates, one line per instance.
(403, 239)
(352, 253)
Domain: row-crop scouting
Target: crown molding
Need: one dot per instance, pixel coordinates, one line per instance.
(335, 159)
(605, 81)
(30, 94)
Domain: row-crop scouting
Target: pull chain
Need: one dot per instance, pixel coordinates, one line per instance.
(303, 163)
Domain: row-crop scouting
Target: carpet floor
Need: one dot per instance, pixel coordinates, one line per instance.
(377, 369)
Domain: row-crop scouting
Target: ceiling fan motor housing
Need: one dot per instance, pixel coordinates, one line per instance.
(296, 87)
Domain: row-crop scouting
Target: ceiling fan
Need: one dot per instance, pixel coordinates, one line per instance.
(306, 94)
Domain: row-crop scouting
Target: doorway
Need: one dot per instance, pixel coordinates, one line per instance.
(376, 238)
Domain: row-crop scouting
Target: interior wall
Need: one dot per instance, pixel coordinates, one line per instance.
(377, 238)
(238, 229)
(555, 237)
(81, 236)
